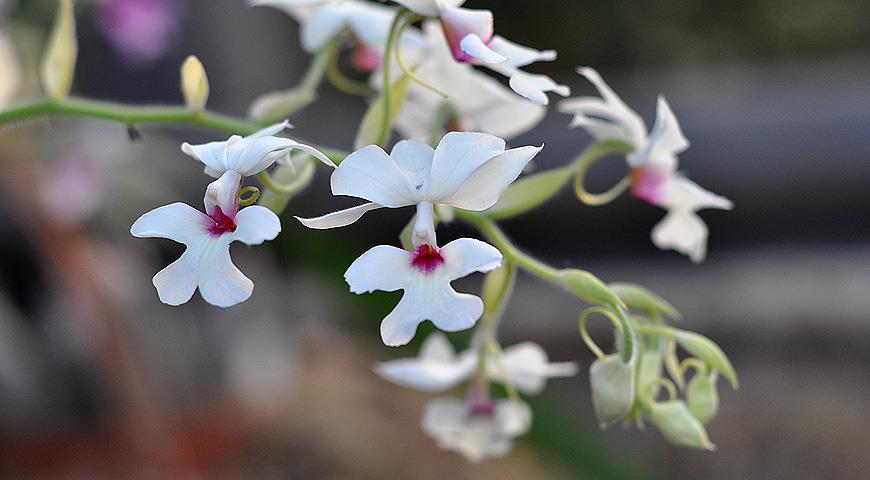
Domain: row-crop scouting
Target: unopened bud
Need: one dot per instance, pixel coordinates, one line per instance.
(710, 353)
(588, 287)
(702, 397)
(59, 60)
(649, 370)
(679, 426)
(612, 383)
(194, 84)
(637, 297)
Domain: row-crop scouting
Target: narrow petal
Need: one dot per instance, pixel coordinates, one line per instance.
(371, 174)
(664, 142)
(382, 267)
(179, 222)
(342, 218)
(476, 48)
(626, 119)
(683, 231)
(519, 55)
(467, 255)
(456, 157)
(486, 184)
(534, 86)
(444, 307)
(683, 194)
(255, 225)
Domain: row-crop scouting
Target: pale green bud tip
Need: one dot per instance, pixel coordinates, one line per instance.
(679, 426)
(702, 397)
(194, 84)
(640, 298)
(612, 383)
(710, 353)
(589, 287)
(59, 60)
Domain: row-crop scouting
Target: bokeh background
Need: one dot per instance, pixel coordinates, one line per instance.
(100, 380)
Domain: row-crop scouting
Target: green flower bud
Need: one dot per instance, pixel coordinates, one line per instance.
(194, 84)
(637, 297)
(59, 60)
(588, 287)
(710, 353)
(612, 384)
(702, 397)
(679, 426)
(530, 192)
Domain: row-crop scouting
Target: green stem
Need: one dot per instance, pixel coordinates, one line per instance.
(344, 84)
(298, 183)
(591, 156)
(388, 55)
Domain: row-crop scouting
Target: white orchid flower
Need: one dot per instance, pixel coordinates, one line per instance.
(469, 34)
(323, 20)
(249, 155)
(476, 431)
(653, 164)
(425, 277)
(439, 368)
(467, 170)
(206, 262)
(476, 101)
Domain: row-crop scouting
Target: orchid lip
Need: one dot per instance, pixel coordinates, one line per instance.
(647, 185)
(222, 223)
(427, 258)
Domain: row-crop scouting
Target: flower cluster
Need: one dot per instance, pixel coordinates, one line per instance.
(451, 164)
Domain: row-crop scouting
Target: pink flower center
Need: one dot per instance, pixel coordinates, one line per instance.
(647, 184)
(365, 59)
(427, 258)
(222, 223)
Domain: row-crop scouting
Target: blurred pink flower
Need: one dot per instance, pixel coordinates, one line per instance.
(141, 30)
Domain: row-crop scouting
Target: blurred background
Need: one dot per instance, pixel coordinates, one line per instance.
(98, 379)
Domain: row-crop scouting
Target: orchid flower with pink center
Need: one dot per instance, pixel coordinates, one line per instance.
(206, 262)
(323, 20)
(249, 155)
(438, 367)
(467, 170)
(653, 164)
(469, 33)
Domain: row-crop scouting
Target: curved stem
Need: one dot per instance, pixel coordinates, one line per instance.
(404, 66)
(298, 183)
(340, 81)
(591, 156)
(388, 55)
(584, 334)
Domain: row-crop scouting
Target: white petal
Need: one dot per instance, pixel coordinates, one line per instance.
(371, 174)
(371, 23)
(664, 142)
(444, 307)
(467, 255)
(475, 47)
(429, 8)
(382, 267)
(617, 112)
(519, 55)
(415, 159)
(223, 193)
(683, 194)
(324, 25)
(513, 417)
(534, 86)
(486, 184)
(212, 154)
(683, 231)
(255, 225)
(176, 283)
(221, 283)
(341, 218)
(436, 369)
(528, 367)
(456, 157)
(179, 222)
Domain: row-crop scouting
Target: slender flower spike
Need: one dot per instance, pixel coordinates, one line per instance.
(467, 170)
(475, 101)
(439, 368)
(653, 164)
(194, 84)
(425, 277)
(249, 155)
(469, 34)
(206, 263)
(476, 430)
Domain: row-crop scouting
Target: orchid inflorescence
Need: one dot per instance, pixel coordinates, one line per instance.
(453, 164)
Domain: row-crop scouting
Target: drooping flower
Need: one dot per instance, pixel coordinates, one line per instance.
(474, 429)
(653, 164)
(439, 368)
(323, 20)
(249, 155)
(206, 262)
(476, 102)
(467, 170)
(424, 275)
(469, 34)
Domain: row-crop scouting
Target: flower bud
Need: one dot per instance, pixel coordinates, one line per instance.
(530, 192)
(637, 297)
(702, 397)
(588, 287)
(679, 426)
(194, 84)
(649, 370)
(59, 60)
(706, 350)
(612, 383)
